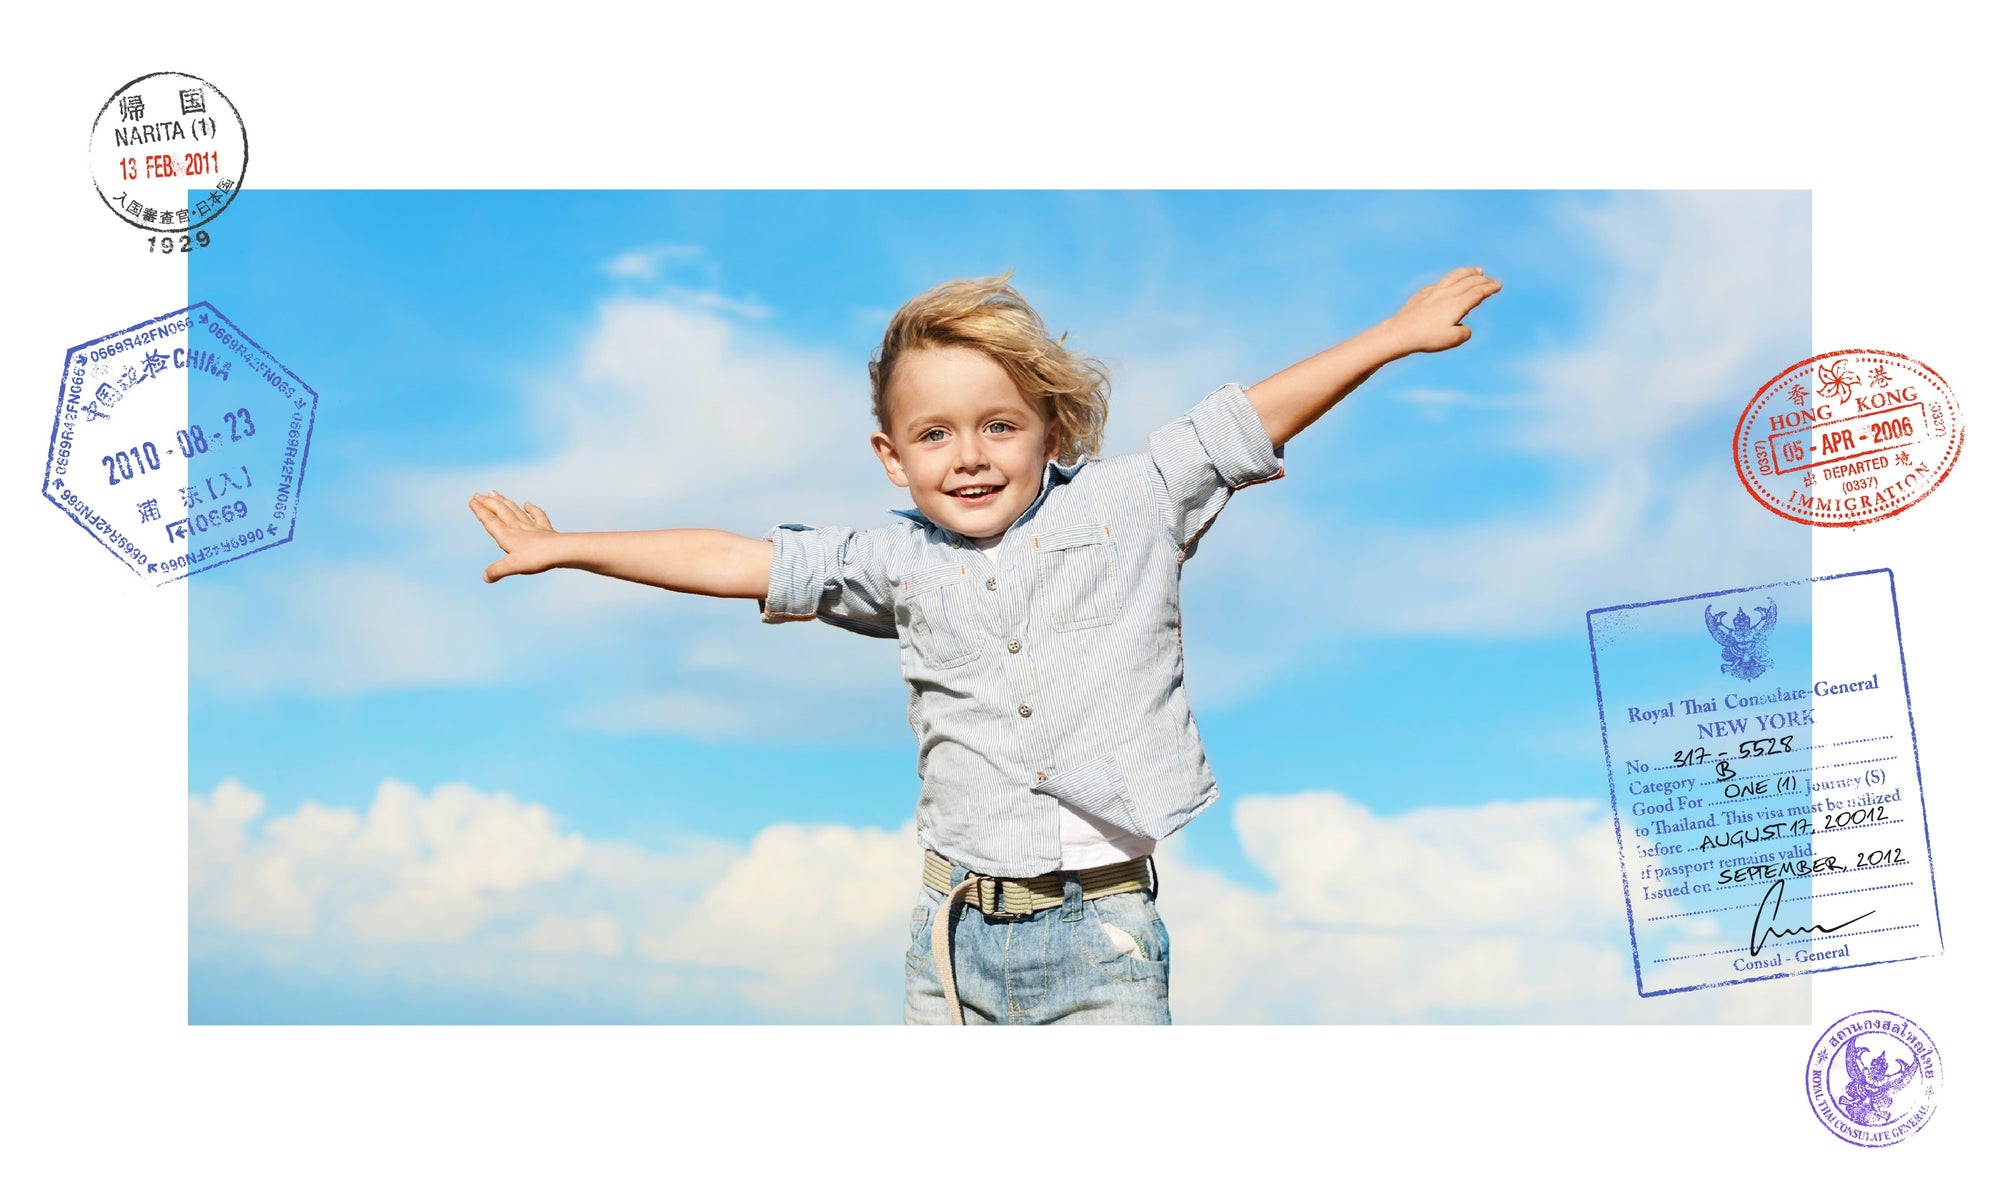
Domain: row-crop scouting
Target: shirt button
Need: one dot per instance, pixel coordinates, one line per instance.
(1040, 776)
(955, 541)
(1013, 645)
(1026, 711)
(990, 585)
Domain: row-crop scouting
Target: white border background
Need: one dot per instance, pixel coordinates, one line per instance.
(1872, 108)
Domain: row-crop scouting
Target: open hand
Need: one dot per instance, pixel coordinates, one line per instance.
(1429, 320)
(523, 531)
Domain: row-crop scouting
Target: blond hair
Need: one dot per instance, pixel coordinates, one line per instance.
(986, 314)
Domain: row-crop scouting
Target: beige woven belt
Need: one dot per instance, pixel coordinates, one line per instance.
(1013, 899)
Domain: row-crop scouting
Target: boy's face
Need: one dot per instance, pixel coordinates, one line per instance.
(957, 420)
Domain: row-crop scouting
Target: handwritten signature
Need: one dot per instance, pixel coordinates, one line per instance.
(1774, 896)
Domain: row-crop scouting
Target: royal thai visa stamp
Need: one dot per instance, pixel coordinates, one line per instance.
(1761, 753)
(167, 155)
(180, 444)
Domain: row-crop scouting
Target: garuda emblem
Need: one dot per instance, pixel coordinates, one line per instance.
(1742, 642)
(1871, 1086)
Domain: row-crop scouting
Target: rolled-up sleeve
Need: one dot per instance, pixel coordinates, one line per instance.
(836, 574)
(1201, 457)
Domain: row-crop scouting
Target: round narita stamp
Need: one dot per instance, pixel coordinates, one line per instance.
(168, 151)
(1848, 437)
(1873, 1078)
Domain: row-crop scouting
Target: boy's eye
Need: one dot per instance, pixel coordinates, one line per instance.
(926, 435)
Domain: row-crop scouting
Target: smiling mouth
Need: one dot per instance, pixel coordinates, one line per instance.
(973, 493)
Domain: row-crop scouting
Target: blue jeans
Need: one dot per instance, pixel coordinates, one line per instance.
(1058, 965)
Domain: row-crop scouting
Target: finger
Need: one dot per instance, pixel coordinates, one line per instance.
(1471, 302)
(496, 571)
(541, 518)
(492, 504)
(1469, 298)
(498, 527)
(513, 513)
(1452, 277)
(483, 511)
(499, 511)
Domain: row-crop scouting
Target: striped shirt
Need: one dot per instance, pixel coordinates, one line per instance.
(1085, 842)
(1054, 676)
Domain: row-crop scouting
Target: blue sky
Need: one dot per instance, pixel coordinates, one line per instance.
(415, 797)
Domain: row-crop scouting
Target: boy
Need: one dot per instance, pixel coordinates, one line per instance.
(1032, 603)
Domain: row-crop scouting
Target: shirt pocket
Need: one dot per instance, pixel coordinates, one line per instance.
(1076, 576)
(943, 627)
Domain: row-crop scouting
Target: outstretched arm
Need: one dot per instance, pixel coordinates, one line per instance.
(1300, 394)
(706, 562)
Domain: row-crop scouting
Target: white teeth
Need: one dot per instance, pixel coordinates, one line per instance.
(975, 491)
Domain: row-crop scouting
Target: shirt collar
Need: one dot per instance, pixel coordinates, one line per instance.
(1049, 472)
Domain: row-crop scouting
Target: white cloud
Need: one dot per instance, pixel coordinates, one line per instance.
(1506, 912)
(473, 888)
(673, 416)
(1634, 534)
(1708, 302)
(813, 916)
(644, 263)
(693, 713)
(350, 627)
(1437, 403)
(410, 869)
(749, 310)
(596, 934)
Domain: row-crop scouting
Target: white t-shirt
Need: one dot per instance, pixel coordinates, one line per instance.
(1086, 841)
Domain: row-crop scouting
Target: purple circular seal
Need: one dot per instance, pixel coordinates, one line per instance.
(1873, 1078)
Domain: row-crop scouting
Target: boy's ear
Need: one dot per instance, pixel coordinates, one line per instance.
(891, 461)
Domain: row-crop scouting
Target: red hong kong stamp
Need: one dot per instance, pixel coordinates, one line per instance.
(1848, 437)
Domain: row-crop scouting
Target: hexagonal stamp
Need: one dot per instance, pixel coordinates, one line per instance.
(179, 444)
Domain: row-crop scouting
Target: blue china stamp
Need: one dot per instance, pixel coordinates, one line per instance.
(1761, 755)
(1873, 1078)
(179, 444)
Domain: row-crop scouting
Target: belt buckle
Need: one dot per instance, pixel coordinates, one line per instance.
(998, 912)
